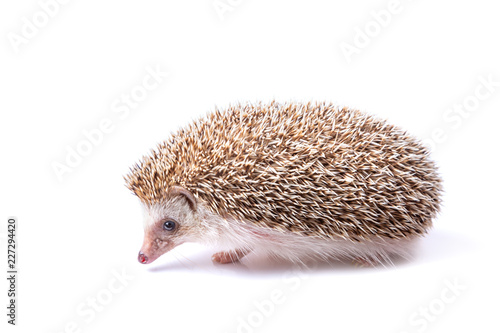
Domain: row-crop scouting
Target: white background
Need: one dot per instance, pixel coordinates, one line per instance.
(77, 233)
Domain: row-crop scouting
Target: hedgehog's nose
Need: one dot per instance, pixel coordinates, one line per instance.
(142, 258)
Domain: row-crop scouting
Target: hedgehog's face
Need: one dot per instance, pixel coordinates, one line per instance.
(169, 224)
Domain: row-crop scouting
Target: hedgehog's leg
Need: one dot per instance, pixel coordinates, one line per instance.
(226, 257)
(364, 262)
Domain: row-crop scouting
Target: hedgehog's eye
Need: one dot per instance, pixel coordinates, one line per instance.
(169, 225)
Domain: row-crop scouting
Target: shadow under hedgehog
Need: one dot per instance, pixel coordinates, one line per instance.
(294, 181)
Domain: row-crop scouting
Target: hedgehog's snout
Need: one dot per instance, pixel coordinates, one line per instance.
(143, 259)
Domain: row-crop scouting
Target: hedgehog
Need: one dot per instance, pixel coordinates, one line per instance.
(293, 181)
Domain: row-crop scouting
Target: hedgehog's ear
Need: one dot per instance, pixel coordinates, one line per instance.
(178, 190)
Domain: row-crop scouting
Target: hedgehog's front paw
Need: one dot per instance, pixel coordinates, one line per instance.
(226, 257)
